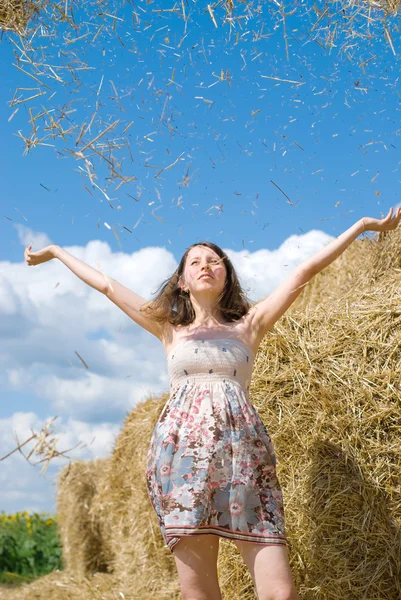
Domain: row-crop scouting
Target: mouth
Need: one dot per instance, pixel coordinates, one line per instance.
(205, 275)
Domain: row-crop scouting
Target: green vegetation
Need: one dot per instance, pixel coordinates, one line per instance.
(29, 547)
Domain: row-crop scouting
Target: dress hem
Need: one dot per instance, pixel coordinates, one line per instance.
(178, 532)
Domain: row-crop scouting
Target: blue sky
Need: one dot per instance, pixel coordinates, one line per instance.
(217, 103)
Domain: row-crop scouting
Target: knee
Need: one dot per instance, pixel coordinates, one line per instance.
(281, 593)
(191, 594)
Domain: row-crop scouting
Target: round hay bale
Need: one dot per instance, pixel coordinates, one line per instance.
(328, 388)
(346, 273)
(61, 585)
(142, 561)
(85, 551)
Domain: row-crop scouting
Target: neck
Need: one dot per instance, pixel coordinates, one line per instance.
(207, 323)
(207, 317)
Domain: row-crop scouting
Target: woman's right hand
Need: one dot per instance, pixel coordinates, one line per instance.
(41, 256)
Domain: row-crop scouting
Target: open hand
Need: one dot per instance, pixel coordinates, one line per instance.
(41, 256)
(386, 224)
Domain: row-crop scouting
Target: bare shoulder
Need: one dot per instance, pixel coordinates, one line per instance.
(243, 329)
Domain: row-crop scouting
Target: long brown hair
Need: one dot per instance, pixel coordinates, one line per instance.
(174, 305)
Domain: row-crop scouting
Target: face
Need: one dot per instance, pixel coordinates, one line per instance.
(202, 261)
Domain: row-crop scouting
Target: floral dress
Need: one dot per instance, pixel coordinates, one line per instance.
(211, 466)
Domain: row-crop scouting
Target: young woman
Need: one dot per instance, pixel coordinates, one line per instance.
(211, 464)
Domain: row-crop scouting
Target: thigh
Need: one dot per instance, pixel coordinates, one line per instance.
(196, 560)
(270, 569)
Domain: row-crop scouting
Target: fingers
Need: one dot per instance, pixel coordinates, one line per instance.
(395, 218)
(27, 255)
(388, 217)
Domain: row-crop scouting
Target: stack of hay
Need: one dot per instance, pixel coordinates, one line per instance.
(15, 15)
(327, 385)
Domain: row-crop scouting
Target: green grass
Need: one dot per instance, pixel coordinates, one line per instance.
(29, 547)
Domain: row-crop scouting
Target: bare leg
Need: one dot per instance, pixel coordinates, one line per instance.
(270, 570)
(196, 560)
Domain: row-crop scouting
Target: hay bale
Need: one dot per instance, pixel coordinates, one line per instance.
(349, 272)
(16, 14)
(61, 585)
(85, 549)
(142, 561)
(329, 391)
(360, 267)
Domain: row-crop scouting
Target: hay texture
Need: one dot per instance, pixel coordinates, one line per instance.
(327, 385)
(15, 15)
(141, 560)
(85, 545)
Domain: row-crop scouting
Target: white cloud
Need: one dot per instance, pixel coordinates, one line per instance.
(260, 272)
(48, 315)
(27, 237)
(88, 395)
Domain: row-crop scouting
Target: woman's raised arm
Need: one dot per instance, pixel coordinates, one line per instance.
(123, 297)
(88, 275)
(329, 253)
(267, 311)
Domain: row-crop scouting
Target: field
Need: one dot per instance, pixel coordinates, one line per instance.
(29, 547)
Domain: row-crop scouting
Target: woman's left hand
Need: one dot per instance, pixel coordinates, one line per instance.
(386, 224)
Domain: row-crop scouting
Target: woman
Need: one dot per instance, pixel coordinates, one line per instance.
(211, 464)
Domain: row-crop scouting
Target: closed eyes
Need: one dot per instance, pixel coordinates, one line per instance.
(213, 261)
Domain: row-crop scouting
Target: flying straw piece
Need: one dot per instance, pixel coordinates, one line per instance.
(45, 446)
(80, 134)
(117, 236)
(319, 19)
(26, 99)
(13, 114)
(212, 15)
(174, 163)
(81, 359)
(100, 134)
(30, 75)
(284, 80)
(390, 41)
(21, 214)
(128, 126)
(138, 221)
(279, 188)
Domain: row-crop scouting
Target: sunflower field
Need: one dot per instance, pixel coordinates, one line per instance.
(29, 546)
